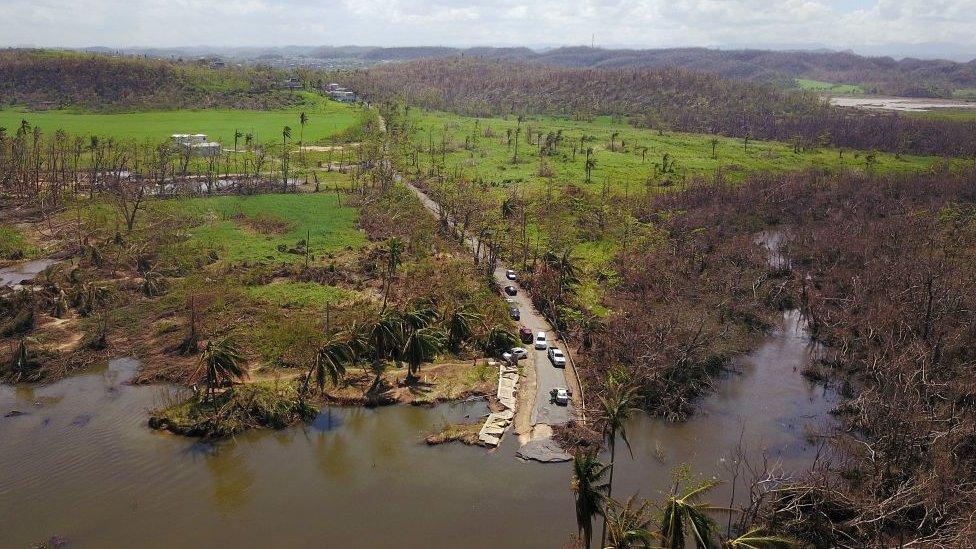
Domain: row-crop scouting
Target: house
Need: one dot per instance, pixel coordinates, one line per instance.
(290, 84)
(343, 95)
(332, 86)
(206, 149)
(197, 144)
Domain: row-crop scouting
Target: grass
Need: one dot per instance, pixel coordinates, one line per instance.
(623, 169)
(828, 87)
(966, 94)
(299, 294)
(330, 226)
(326, 118)
(947, 114)
(13, 245)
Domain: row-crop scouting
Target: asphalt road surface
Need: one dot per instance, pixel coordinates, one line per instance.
(548, 377)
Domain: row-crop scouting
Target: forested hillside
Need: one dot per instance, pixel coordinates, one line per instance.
(659, 98)
(47, 79)
(879, 75)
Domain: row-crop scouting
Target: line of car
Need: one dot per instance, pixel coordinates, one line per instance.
(540, 342)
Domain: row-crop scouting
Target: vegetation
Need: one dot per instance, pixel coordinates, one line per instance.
(828, 87)
(657, 98)
(877, 75)
(60, 79)
(325, 119)
(13, 245)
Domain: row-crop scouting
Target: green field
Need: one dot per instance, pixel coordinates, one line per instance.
(478, 149)
(828, 87)
(251, 228)
(325, 119)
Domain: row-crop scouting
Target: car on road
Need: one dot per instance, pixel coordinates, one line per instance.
(517, 352)
(525, 334)
(560, 396)
(540, 341)
(557, 357)
(510, 274)
(514, 312)
(511, 290)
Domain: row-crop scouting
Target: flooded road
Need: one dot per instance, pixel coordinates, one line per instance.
(904, 104)
(78, 462)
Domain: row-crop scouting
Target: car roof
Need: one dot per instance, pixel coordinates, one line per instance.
(555, 350)
(541, 334)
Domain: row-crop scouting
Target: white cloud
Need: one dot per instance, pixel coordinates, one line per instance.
(501, 22)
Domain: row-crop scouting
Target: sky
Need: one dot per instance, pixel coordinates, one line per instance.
(631, 23)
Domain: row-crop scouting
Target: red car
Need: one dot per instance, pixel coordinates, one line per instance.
(525, 334)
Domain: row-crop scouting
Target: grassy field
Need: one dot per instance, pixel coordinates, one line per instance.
(13, 245)
(325, 119)
(252, 228)
(478, 148)
(828, 87)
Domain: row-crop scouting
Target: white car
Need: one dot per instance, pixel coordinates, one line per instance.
(510, 274)
(540, 341)
(557, 357)
(560, 396)
(518, 352)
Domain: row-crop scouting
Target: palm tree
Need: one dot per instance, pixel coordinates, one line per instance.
(518, 130)
(629, 524)
(590, 164)
(756, 539)
(302, 121)
(221, 362)
(330, 363)
(499, 340)
(565, 267)
(616, 408)
(685, 515)
(588, 487)
(386, 337)
(422, 341)
(394, 259)
(285, 136)
(460, 326)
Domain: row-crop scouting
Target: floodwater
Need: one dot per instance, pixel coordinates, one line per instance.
(78, 462)
(904, 104)
(19, 272)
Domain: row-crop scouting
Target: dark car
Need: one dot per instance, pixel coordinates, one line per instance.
(511, 290)
(525, 334)
(513, 311)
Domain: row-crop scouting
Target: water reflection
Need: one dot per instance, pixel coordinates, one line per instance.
(354, 477)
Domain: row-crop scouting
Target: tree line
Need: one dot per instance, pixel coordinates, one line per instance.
(668, 98)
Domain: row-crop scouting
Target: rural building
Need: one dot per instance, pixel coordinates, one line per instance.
(197, 143)
(290, 84)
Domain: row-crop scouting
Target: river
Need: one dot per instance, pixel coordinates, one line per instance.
(79, 463)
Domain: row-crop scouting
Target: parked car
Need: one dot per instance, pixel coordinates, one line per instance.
(557, 357)
(511, 290)
(525, 334)
(518, 352)
(560, 396)
(513, 311)
(510, 274)
(540, 341)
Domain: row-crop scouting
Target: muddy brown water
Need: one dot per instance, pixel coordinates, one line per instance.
(78, 462)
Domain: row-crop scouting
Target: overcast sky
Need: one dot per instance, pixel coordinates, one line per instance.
(650, 23)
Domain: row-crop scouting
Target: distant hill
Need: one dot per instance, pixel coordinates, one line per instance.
(877, 75)
(58, 79)
(664, 98)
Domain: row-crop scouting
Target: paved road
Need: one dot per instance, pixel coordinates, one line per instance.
(548, 377)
